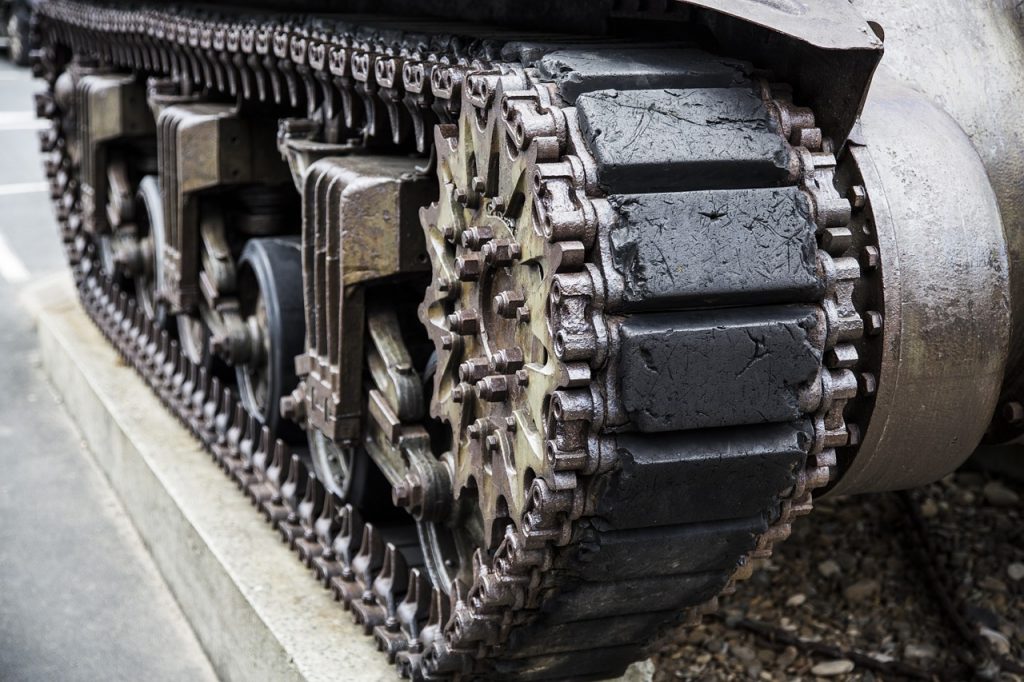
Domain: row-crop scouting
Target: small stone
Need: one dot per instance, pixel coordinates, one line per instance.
(829, 568)
(920, 651)
(787, 657)
(766, 655)
(1015, 571)
(715, 646)
(744, 653)
(832, 668)
(796, 600)
(862, 590)
(998, 495)
(929, 509)
(998, 640)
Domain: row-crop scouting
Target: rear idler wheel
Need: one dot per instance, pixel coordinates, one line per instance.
(272, 330)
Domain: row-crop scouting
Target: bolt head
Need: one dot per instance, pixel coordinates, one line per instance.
(460, 392)
(873, 322)
(475, 237)
(507, 303)
(870, 258)
(464, 322)
(854, 435)
(493, 388)
(858, 196)
(867, 383)
(469, 266)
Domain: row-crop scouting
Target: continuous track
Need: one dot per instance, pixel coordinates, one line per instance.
(645, 348)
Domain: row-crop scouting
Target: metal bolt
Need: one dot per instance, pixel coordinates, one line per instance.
(447, 341)
(493, 389)
(870, 258)
(475, 237)
(400, 494)
(873, 322)
(867, 383)
(510, 424)
(854, 435)
(501, 252)
(292, 408)
(508, 360)
(461, 392)
(464, 322)
(508, 303)
(446, 285)
(523, 314)
(474, 369)
(522, 377)
(477, 428)
(469, 266)
(492, 443)
(857, 195)
(1013, 412)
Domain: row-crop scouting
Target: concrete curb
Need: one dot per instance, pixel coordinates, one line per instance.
(255, 611)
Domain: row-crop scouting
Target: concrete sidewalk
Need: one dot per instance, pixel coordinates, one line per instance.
(80, 598)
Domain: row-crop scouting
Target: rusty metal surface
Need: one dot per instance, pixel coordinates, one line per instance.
(945, 272)
(523, 200)
(828, 24)
(568, 408)
(360, 227)
(968, 58)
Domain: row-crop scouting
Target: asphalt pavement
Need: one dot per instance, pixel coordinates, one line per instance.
(80, 598)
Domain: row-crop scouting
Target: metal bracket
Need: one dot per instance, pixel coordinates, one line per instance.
(360, 226)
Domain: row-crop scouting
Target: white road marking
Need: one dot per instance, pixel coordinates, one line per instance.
(16, 116)
(21, 120)
(24, 188)
(11, 267)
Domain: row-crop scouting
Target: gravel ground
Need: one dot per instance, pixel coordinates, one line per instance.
(854, 577)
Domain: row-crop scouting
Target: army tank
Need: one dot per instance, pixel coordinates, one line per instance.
(531, 343)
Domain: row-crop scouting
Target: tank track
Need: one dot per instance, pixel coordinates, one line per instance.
(564, 595)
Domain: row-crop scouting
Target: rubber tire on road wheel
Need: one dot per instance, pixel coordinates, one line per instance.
(273, 265)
